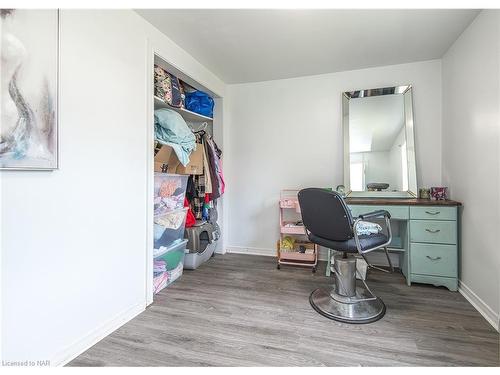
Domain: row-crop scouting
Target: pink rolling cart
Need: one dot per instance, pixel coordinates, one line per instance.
(303, 253)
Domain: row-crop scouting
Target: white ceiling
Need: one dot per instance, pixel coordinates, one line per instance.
(260, 45)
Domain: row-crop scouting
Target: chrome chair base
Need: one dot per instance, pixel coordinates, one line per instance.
(363, 310)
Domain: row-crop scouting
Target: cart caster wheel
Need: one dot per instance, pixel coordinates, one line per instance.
(278, 266)
(314, 269)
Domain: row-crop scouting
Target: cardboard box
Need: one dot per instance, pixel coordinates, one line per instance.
(195, 165)
(166, 160)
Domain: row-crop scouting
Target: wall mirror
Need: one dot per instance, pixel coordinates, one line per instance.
(379, 150)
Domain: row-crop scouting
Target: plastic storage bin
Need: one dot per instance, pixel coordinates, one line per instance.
(169, 192)
(171, 260)
(172, 255)
(166, 278)
(169, 228)
(160, 281)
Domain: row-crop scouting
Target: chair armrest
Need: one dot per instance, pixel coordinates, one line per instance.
(374, 214)
(371, 215)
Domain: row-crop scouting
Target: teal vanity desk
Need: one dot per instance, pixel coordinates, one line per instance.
(380, 164)
(425, 234)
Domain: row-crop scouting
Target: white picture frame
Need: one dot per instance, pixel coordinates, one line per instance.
(29, 84)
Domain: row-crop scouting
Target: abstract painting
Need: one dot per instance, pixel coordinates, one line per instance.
(29, 48)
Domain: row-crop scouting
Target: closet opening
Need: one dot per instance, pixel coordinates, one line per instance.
(186, 181)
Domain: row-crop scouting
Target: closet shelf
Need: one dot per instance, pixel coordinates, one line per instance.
(189, 116)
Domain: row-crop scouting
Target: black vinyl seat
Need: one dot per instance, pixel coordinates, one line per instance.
(366, 241)
(329, 223)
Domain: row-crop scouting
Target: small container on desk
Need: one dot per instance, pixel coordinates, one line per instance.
(302, 253)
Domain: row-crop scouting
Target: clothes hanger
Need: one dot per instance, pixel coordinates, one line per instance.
(202, 128)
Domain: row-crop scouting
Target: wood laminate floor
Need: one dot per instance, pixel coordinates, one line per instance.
(239, 310)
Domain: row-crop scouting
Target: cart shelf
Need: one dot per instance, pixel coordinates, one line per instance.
(292, 229)
(304, 253)
(297, 256)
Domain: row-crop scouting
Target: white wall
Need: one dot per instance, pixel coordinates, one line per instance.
(288, 134)
(74, 240)
(471, 156)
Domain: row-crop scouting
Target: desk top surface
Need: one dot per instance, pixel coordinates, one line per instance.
(401, 201)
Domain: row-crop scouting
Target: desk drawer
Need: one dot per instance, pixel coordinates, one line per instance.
(397, 212)
(434, 260)
(433, 231)
(433, 213)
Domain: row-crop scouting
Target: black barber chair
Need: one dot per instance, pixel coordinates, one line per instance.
(329, 223)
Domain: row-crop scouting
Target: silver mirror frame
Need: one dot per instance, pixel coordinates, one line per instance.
(410, 141)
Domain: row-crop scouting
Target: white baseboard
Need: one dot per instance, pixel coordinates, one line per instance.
(486, 311)
(374, 258)
(220, 248)
(251, 250)
(266, 251)
(95, 336)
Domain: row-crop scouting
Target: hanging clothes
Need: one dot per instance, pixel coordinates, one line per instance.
(199, 182)
(190, 219)
(215, 167)
(206, 207)
(199, 196)
(203, 189)
(190, 189)
(220, 174)
(208, 180)
(210, 152)
(212, 213)
(208, 177)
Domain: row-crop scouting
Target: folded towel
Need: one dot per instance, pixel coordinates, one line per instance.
(367, 228)
(159, 266)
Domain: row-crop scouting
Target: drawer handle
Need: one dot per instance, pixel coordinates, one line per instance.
(433, 231)
(431, 258)
(433, 213)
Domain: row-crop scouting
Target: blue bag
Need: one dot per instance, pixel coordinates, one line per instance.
(200, 102)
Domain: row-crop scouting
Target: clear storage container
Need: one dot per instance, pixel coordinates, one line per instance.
(169, 192)
(168, 264)
(169, 227)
